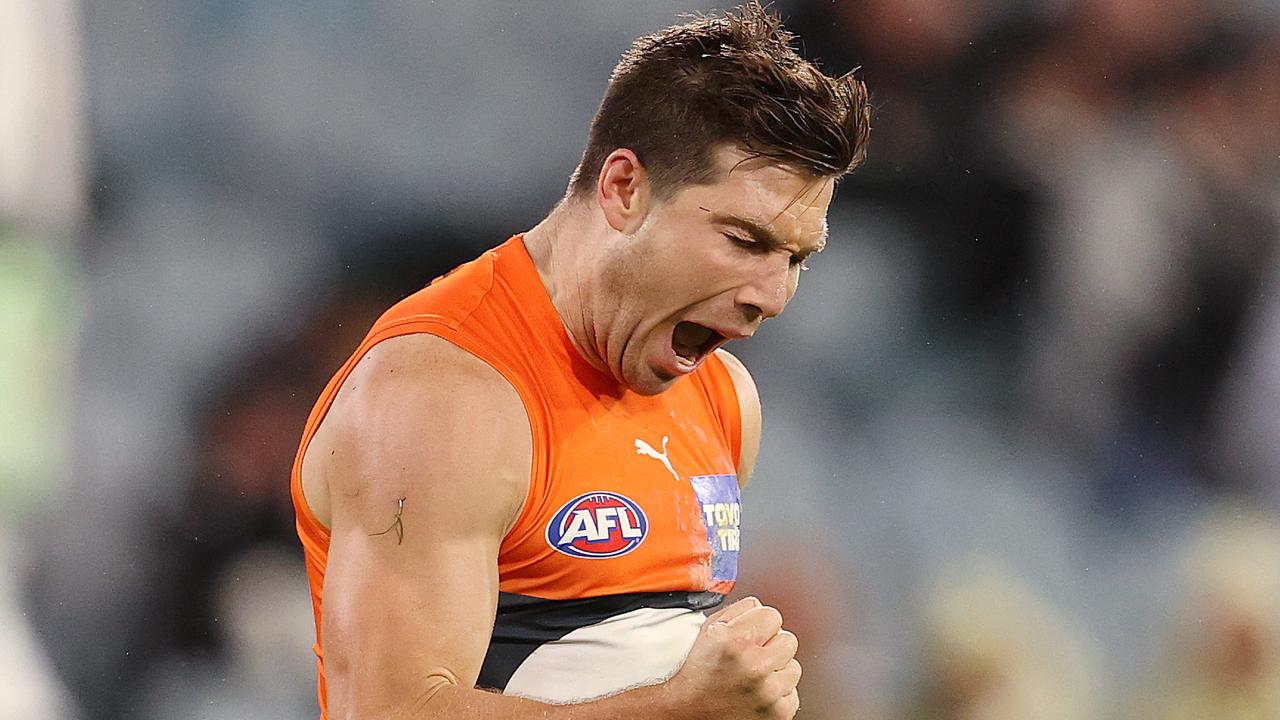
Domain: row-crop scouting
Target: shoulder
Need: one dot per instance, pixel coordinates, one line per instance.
(428, 366)
(742, 380)
(419, 416)
(749, 409)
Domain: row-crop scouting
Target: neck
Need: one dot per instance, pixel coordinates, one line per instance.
(562, 248)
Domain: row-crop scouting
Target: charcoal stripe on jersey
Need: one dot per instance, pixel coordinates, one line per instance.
(525, 623)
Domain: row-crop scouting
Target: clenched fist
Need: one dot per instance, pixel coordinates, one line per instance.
(742, 665)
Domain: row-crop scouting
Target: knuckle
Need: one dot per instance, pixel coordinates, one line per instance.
(788, 706)
(760, 671)
(745, 666)
(717, 632)
(769, 692)
(739, 642)
(789, 641)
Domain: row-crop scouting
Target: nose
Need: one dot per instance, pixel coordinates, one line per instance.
(767, 291)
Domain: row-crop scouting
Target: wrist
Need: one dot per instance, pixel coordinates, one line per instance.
(670, 702)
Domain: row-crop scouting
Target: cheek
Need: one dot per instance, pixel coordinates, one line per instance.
(687, 268)
(697, 268)
(662, 283)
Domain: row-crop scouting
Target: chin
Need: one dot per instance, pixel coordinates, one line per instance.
(653, 389)
(647, 382)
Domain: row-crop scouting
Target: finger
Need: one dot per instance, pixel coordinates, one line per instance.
(759, 624)
(788, 676)
(788, 706)
(781, 648)
(726, 614)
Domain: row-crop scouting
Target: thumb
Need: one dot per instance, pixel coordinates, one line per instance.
(728, 613)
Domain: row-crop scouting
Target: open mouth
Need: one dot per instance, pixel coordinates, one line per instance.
(692, 341)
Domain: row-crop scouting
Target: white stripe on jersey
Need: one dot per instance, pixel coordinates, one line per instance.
(640, 647)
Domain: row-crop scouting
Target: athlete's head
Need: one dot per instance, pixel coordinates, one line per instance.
(712, 159)
(731, 79)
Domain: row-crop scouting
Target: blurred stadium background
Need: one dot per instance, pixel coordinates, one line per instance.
(1022, 446)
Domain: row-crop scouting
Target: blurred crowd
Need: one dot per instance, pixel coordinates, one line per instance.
(1022, 422)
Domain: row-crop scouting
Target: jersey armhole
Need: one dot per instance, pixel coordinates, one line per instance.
(726, 403)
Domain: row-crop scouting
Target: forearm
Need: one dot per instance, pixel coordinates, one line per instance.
(742, 664)
(453, 702)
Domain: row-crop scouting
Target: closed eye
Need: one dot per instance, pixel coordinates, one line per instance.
(746, 244)
(760, 248)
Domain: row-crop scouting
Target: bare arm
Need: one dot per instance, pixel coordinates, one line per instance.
(749, 408)
(407, 617)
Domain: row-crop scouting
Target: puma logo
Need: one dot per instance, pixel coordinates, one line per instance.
(644, 448)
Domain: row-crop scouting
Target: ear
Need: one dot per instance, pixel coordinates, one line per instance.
(623, 191)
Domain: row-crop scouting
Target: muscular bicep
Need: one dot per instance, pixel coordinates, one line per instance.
(426, 459)
(394, 633)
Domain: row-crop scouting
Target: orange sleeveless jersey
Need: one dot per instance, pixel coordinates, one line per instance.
(632, 511)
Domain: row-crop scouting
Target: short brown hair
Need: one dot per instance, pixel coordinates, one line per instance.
(730, 78)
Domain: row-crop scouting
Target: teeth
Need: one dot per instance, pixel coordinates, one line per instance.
(688, 339)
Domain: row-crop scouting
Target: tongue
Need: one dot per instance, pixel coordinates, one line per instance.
(688, 339)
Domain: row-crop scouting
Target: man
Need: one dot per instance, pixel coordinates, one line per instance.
(526, 477)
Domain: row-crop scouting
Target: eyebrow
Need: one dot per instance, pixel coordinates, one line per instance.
(760, 233)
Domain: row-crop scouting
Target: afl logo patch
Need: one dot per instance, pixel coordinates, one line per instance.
(597, 525)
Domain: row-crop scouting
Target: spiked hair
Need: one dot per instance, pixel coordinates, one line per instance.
(730, 78)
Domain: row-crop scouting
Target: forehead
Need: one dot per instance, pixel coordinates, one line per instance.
(790, 202)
